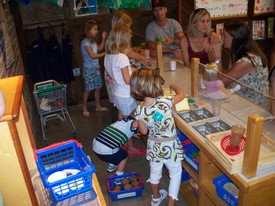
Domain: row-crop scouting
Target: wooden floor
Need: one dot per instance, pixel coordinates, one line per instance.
(87, 128)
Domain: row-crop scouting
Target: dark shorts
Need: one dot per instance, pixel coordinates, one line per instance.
(115, 158)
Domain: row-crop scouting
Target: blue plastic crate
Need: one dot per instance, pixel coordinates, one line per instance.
(184, 174)
(189, 149)
(225, 195)
(182, 136)
(113, 181)
(60, 157)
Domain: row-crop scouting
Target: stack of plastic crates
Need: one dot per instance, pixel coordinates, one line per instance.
(65, 158)
(51, 103)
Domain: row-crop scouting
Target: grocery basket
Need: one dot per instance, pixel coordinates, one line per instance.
(69, 159)
(51, 103)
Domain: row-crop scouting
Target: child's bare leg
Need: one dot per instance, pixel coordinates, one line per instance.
(155, 190)
(97, 98)
(119, 115)
(121, 165)
(97, 101)
(84, 100)
(130, 144)
(171, 201)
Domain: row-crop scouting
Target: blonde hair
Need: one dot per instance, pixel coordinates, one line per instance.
(145, 82)
(119, 40)
(88, 26)
(121, 17)
(193, 19)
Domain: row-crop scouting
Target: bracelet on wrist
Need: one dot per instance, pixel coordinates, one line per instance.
(218, 61)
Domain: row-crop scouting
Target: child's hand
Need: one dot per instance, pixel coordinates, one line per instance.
(104, 34)
(147, 62)
(135, 124)
(217, 49)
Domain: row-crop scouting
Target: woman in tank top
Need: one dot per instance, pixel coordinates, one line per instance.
(199, 41)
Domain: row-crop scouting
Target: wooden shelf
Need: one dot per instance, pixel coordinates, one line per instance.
(187, 192)
(209, 188)
(193, 173)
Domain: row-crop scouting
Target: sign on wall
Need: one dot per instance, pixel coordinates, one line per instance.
(85, 7)
(264, 6)
(223, 8)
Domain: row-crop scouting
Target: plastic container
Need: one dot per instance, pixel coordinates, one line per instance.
(226, 190)
(182, 136)
(191, 155)
(65, 157)
(113, 181)
(184, 175)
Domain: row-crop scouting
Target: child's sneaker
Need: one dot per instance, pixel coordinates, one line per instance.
(111, 167)
(156, 201)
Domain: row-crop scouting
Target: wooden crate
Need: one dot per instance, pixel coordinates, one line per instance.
(233, 164)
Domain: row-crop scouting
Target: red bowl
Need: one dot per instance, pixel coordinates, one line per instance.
(232, 150)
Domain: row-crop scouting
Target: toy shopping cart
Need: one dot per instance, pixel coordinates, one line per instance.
(51, 103)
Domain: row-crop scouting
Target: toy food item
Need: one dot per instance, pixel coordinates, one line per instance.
(162, 40)
(183, 105)
(135, 183)
(117, 188)
(133, 178)
(127, 186)
(138, 50)
(125, 181)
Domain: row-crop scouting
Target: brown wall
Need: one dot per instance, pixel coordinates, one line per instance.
(17, 65)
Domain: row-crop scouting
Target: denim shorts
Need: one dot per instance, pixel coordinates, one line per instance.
(92, 78)
(125, 105)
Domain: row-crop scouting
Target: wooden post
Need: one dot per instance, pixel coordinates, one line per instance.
(252, 145)
(159, 57)
(194, 76)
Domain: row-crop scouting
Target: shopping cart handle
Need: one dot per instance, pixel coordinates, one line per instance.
(49, 89)
(56, 145)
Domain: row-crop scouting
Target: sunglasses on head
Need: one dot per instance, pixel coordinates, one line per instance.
(199, 10)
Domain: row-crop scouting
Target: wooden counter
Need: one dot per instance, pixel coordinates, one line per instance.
(235, 110)
(16, 146)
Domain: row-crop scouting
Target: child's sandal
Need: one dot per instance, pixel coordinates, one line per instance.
(156, 201)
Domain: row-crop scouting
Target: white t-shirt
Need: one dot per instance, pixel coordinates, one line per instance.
(113, 64)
